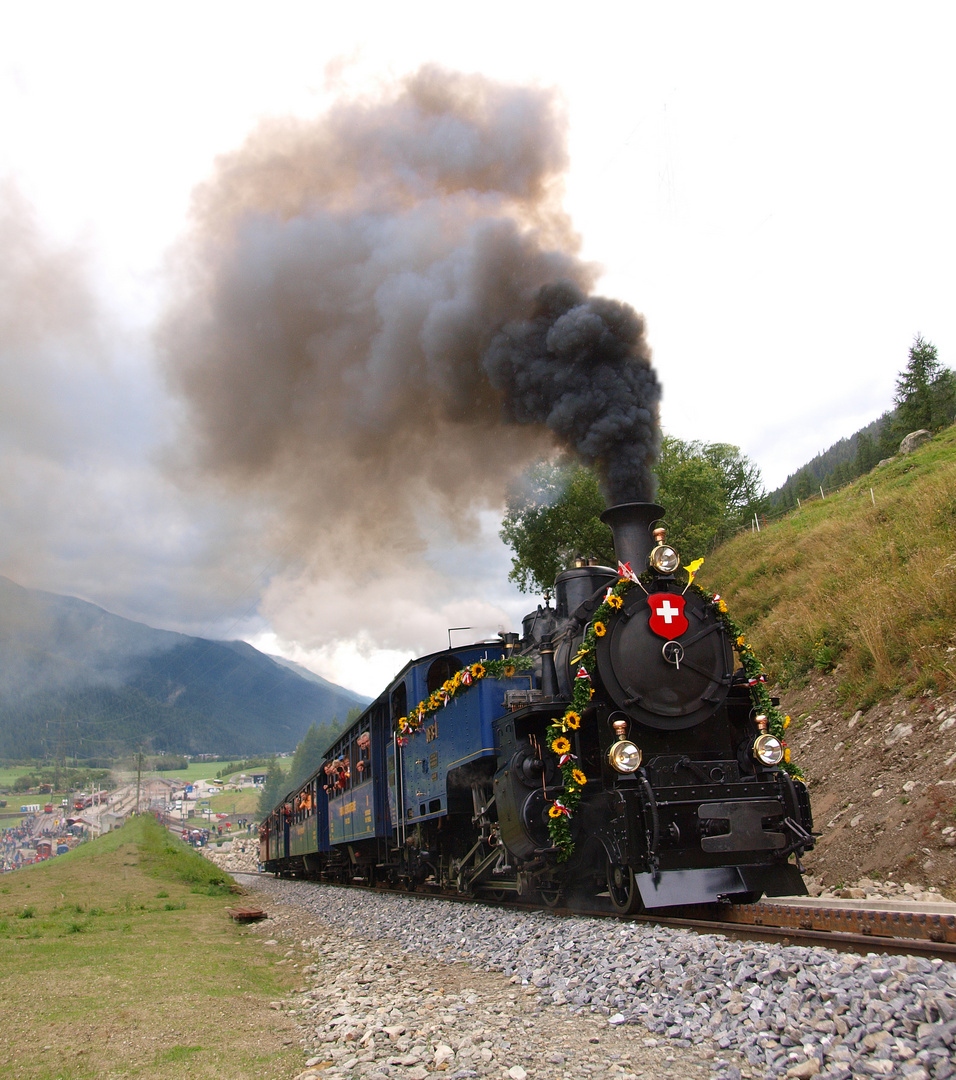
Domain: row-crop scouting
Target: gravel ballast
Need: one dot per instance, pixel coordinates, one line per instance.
(542, 996)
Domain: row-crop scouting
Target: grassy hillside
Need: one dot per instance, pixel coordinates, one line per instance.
(118, 959)
(862, 584)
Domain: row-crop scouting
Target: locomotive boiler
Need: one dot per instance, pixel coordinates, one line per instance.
(614, 747)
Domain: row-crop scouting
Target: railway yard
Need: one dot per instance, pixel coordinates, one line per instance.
(401, 987)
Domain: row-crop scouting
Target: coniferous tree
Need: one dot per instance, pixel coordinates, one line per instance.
(308, 754)
(925, 390)
(272, 790)
(867, 454)
(804, 484)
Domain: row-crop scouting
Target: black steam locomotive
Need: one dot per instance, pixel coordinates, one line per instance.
(611, 748)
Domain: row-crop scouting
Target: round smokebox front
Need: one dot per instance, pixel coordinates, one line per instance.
(665, 659)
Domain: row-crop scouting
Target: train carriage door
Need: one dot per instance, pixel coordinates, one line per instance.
(379, 754)
(398, 707)
(442, 685)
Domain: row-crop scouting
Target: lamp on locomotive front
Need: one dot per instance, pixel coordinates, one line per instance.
(664, 559)
(624, 756)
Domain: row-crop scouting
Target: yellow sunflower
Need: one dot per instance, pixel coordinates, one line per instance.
(579, 777)
(572, 720)
(561, 745)
(509, 671)
(786, 755)
(615, 602)
(786, 722)
(600, 629)
(477, 671)
(741, 642)
(554, 811)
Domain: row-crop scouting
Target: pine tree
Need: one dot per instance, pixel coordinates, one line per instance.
(272, 790)
(925, 391)
(308, 754)
(867, 454)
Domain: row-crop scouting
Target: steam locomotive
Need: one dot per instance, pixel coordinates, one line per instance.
(611, 748)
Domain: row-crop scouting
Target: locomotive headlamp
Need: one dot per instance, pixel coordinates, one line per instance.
(664, 559)
(768, 750)
(624, 756)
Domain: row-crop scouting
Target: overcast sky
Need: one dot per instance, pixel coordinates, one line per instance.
(771, 186)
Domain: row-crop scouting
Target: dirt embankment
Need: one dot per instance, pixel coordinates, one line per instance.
(882, 785)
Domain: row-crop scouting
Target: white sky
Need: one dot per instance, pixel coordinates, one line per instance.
(771, 185)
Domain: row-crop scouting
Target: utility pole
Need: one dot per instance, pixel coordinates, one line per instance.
(139, 769)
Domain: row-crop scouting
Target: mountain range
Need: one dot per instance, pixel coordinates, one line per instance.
(79, 682)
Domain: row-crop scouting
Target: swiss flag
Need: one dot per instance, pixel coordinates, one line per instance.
(667, 615)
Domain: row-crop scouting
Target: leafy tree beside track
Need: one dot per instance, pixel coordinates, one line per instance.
(708, 491)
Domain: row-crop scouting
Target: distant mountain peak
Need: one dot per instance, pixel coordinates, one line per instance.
(78, 681)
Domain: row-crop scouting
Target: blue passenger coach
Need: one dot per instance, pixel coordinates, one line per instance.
(359, 816)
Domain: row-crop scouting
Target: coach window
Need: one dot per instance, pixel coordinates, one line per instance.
(363, 757)
(441, 671)
(398, 704)
(337, 770)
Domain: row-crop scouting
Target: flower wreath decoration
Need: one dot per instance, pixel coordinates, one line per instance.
(563, 806)
(505, 668)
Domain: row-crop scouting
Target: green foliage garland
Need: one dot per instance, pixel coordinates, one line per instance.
(563, 807)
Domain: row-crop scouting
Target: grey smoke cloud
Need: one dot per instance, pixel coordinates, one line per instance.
(83, 509)
(47, 319)
(350, 285)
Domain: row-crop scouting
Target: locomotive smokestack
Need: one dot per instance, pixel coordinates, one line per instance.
(630, 524)
(549, 673)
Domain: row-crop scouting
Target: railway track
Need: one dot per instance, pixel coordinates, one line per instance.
(898, 930)
(909, 933)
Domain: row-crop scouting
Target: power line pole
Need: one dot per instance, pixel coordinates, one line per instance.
(139, 770)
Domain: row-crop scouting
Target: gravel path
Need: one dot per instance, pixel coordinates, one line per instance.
(515, 996)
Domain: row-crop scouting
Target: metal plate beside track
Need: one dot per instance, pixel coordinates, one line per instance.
(914, 925)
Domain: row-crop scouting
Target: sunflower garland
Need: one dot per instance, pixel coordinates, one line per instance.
(505, 668)
(563, 806)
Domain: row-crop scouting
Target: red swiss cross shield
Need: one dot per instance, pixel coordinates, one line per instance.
(667, 615)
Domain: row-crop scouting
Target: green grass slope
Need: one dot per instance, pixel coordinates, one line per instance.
(118, 959)
(862, 583)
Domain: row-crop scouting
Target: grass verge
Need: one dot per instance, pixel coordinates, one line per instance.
(119, 960)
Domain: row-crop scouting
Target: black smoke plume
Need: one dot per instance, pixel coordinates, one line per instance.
(582, 367)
